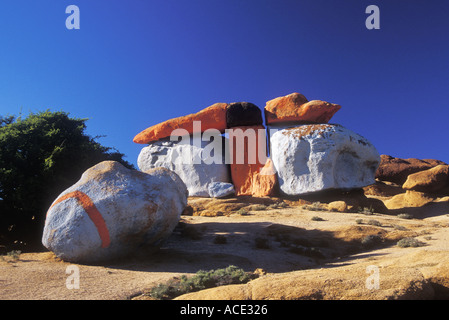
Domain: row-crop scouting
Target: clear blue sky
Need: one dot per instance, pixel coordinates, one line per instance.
(135, 63)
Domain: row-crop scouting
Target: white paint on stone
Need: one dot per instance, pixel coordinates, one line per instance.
(311, 158)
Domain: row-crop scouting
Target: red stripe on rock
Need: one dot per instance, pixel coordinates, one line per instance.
(93, 213)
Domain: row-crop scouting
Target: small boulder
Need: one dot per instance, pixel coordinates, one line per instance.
(430, 180)
(221, 189)
(113, 211)
(295, 108)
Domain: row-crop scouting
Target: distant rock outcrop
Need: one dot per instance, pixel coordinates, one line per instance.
(113, 211)
(397, 170)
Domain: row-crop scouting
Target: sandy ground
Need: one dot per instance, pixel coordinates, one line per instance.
(270, 239)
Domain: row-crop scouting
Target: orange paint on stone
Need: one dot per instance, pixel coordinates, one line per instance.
(265, 183)
(295, 108)
(246, 162)
(93, 213)
(213, 117)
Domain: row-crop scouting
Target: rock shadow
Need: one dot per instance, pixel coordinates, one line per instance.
(273, 247)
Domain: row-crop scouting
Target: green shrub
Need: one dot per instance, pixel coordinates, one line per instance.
(258, 207)
(409, 242)
(316, 206)
(243, 211)
(374, 223)
(405, 216)
(371, 241)
(366, 210)
(200, 281)
(40, 156)
(316, 218)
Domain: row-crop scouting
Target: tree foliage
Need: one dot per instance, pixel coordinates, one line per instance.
(40, 156)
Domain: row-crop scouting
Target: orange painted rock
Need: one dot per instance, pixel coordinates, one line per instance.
(295, 108)
(248, 154)
(213, 117)
(265, 183)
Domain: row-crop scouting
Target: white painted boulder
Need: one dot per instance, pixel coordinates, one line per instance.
(198, 163)
(113, 211)
(221, 189)
(311, 158)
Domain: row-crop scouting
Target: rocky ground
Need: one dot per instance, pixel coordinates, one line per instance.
(307, 250)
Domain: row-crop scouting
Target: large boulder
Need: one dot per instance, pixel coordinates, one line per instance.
(113, 211)
(196, 161)
(311, 158)
(296, 108)
(397, 170)
(212, 117)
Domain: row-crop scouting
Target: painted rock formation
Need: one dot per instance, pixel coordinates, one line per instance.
(213, 117)
(247, 151)
(113, 211)
(295, 108)
(197, 162)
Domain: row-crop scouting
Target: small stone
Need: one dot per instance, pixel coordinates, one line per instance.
(221, 189)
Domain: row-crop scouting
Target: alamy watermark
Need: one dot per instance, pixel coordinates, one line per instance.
(242, 146)
(373, 280)
(73, 280)
(73, 20)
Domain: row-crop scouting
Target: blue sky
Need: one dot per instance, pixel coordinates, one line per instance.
(135, 63)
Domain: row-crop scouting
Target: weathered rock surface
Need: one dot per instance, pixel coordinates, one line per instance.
(397, 170)
(243, 114)
(295, 108)
(248, 156)
(113, 211)
(409, 199)
(198, 163)
(213, 117)
(430, 180)
(312, 158)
